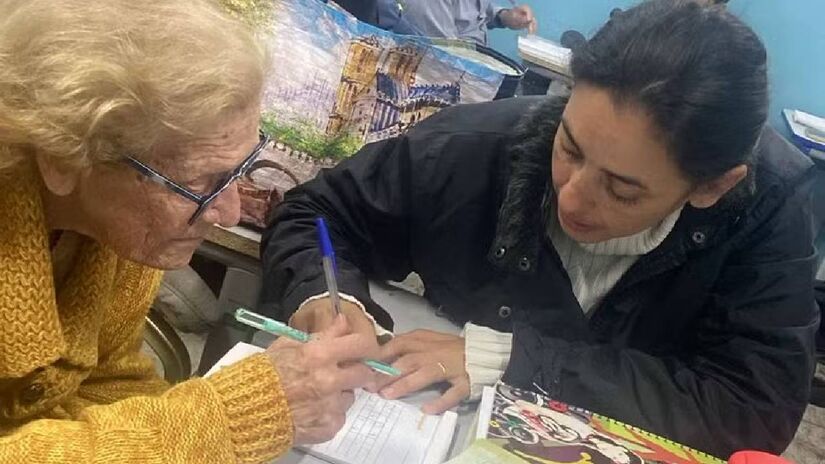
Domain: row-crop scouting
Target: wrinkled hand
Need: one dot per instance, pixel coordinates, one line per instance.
(417, 355)
(519, 17)
(318, 378)
(317, 315)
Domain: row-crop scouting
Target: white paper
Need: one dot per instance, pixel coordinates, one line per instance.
(545, 53)
(485, 411)
(800, 131)
(809, 120)
(377, 431)
(440, 446)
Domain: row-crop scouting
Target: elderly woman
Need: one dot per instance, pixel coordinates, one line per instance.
(122, 128)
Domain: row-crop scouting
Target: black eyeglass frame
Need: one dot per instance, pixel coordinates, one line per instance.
(203, 201)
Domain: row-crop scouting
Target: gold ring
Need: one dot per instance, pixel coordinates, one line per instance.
(443, 369)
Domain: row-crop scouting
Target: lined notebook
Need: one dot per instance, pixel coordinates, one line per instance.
(377, 431)
(532, 428)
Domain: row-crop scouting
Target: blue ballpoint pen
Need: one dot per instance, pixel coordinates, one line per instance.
(280, 329)
(328, 261)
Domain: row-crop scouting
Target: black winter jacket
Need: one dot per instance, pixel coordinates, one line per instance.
(708, 339)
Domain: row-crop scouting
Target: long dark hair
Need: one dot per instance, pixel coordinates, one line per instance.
(699, 71)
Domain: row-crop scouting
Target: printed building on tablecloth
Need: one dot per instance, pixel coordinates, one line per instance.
(337, 83)
(378, 96)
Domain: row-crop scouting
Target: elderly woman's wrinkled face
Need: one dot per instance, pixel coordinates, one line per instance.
(145, 221)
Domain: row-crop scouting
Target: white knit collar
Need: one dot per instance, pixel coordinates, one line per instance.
(637, 244)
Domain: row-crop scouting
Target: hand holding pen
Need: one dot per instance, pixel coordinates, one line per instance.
(318, 313)
(318, 378)
(328, 263)
(280, 329)
(329, 267)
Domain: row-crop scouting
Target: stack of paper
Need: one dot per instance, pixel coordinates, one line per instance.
(814, 125)
(807, 133)
(545, 53)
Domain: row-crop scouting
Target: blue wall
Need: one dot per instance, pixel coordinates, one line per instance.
(793, 32)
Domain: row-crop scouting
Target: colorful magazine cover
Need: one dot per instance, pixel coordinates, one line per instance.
(535, 429)
(336, 84)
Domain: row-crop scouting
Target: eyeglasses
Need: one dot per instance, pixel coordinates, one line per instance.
(203, 201)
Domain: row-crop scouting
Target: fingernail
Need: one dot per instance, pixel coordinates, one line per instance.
(387, 393)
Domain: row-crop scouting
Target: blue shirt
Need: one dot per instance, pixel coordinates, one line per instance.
(462, 19)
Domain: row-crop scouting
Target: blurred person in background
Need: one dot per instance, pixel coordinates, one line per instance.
(453, 19)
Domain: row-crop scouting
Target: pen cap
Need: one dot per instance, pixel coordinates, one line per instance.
(323, 237)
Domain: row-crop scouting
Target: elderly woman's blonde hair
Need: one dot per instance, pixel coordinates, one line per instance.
(85, 81)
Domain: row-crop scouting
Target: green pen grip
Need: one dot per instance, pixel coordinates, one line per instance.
(382, 368)
(266, 324)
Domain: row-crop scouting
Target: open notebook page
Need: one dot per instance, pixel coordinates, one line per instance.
(381, 431)
(377, 431)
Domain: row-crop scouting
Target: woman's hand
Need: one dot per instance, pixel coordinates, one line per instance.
(425, 357)
(317, 315)
(318, 378)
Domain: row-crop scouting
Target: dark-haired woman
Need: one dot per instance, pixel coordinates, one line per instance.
(643, 250)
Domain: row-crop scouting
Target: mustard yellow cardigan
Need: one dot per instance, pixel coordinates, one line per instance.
(74, 386)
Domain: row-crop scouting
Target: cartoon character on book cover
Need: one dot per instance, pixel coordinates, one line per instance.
(542, 431)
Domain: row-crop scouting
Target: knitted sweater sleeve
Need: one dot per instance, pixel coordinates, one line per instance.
(238, 415)
(123, 412)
